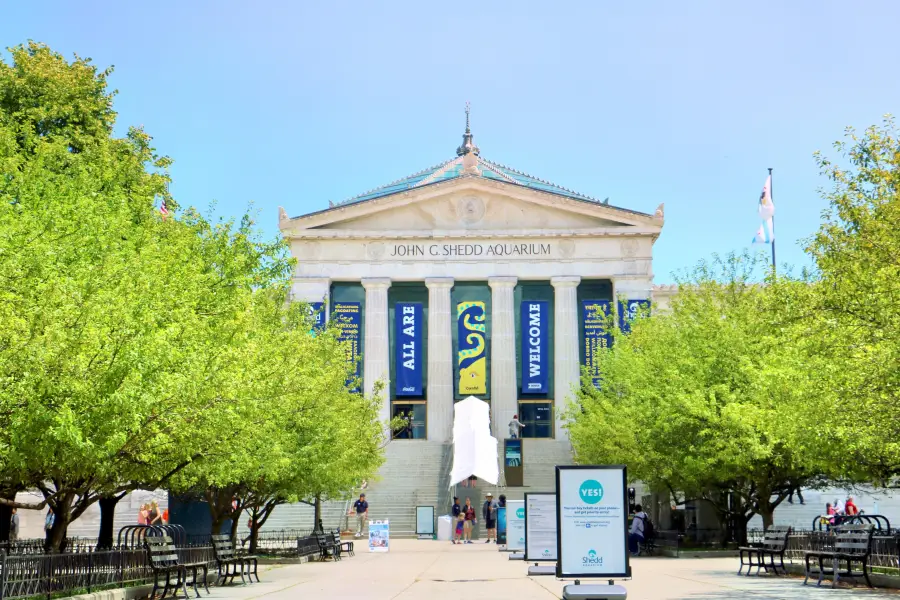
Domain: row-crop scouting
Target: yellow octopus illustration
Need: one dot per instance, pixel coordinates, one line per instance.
(470, 317)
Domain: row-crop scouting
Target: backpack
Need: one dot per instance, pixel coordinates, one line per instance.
(648, 527)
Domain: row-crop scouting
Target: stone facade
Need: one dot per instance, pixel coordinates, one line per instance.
(472, 228)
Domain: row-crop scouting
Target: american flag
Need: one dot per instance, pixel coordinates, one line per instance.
(163, 209)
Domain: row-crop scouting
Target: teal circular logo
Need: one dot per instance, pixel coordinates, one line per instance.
(591, 492)
(520, 513)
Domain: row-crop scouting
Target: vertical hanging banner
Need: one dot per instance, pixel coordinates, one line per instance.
(535, 346)
(471, 318)
(348, 318)
(408, 348)
(595, 314)
(631, 310)
(317, 311)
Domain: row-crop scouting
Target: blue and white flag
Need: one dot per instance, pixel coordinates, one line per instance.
(765, 234)
(766, 206)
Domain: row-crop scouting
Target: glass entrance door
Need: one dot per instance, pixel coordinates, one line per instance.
(537, 417)
(413, 416)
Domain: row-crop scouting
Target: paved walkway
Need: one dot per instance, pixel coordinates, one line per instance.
(438, 570)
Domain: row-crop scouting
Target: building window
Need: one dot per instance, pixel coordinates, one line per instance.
(537, 417)
(413, 416)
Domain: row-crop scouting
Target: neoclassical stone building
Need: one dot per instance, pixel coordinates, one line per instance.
(459, 252)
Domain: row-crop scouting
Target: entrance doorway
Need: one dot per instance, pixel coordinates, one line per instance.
(537, 417)
(413, 414)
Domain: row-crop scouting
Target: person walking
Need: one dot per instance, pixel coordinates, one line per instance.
(850, 507)
(470, 522)
(515, 426)
(456, 511)
(49, 520)
(14, 525)
(362, 514)
(144, 515)
(489, 513)
(636, 534)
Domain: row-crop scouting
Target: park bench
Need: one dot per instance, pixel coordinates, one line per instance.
(327, 547)
(230, 563)
(341, 545)
(773, 546)
(852, 544)
(163, 558)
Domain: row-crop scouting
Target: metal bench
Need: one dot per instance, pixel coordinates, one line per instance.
(773, 546)
(231, 564)
(163, 558)
(852, 544)
(327, 547)
(341, 545)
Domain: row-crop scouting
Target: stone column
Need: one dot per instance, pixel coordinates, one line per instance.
(504, 395)
(376, 350)
(440, 359)
(566, 357)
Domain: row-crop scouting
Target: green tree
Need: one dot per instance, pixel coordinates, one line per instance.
(699, 401)
(114, 323)
(857, 329)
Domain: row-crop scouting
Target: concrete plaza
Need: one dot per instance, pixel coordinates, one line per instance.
(437, 570)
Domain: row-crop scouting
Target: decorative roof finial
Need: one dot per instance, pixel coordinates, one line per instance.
(468, 146)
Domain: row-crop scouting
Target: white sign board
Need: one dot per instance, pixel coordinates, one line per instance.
(424, 520)
(592, 522)
(379, 536)
(515, 525)
(540, 526)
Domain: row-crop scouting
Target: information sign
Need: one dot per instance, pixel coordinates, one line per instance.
(591, 522)
(540, 526)
(515, 525)
(379, 536)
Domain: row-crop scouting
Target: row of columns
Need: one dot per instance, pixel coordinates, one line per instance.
(504, 389)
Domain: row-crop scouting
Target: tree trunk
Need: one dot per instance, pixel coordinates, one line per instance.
(235, 522)
(5, 516)
(107, 521)
(254, 537)
(317, 514)
(767, 513)
(740, 528)
(55, 541)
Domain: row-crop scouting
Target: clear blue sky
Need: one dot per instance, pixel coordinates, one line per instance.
(687, 103)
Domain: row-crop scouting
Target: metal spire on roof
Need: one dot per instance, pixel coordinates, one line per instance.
(468, 146)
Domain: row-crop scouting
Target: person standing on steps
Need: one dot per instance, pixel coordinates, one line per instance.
(471, 520)
(515, 426)
(489, 513)
(362, 514)
(456, 511)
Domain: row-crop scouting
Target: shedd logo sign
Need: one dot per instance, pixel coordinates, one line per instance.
(591, 492)
(592, 558)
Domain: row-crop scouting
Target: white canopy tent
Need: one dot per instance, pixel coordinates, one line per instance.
(474, 448)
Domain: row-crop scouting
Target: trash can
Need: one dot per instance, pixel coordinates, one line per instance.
(445, 528)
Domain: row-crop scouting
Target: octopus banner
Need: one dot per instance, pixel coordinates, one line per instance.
(471, 319)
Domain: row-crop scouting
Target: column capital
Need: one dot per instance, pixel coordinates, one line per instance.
(375, 283)
(502, 282)
(565, 281)
(439, 282)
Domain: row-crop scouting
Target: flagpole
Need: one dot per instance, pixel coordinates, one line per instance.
(772, 196)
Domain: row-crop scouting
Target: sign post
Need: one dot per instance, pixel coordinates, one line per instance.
(592, 527)
(379, 536)
(540, 532)
(515, 529)
(425, 522)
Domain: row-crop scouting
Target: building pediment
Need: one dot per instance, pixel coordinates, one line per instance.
(470, 205)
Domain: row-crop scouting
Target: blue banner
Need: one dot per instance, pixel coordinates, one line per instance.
(535, 346)
(408, 324)
(317, 310)
(595, 314)
(631, 310)
(348, 319)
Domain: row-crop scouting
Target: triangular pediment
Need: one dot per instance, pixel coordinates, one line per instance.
(471, 204)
